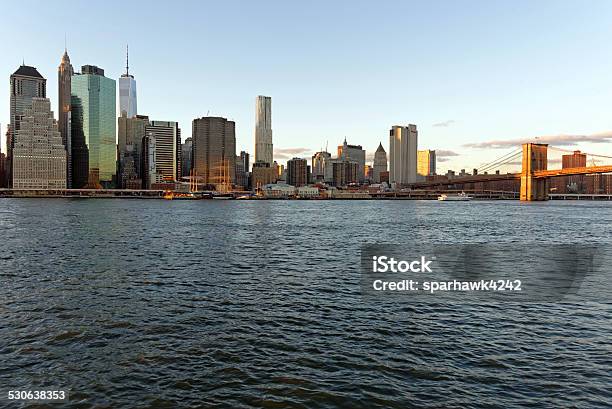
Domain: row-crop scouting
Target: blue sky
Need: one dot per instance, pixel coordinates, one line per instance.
(466, 72)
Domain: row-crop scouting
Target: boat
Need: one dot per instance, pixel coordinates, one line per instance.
(171, 195)
(461, 197)
(223, 196)
(244, 197)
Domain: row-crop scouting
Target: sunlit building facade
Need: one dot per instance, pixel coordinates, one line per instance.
(93, 128)
(39, 157)
(403, 141)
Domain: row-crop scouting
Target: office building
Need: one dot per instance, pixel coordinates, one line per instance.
(186, 158)
(263, 129)
(380, 163)
(426, 163)
(130, 134)
(26, 84)
(403, 141)
(261, 175)
(64, 108)
(242, 170)
(39, 157)
(340, 173)
(214, 151)
(94, 126)
(353, 153)
(318, 163)
(167, 136)
(127, 91)
(297, 172)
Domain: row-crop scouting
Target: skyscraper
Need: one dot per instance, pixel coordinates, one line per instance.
(93, 128)
(263, 130)
(403, 154)
(186, 157)
(380, 163)
(214, 150)
(26, 84)
(64, 106)
(39, 157)
(354, 153)
(297, 172)
(319, 161)
(127, 91)
(167, 135)
(426, 162)
(130, 133)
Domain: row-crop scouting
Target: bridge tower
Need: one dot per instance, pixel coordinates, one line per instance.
(535, 158)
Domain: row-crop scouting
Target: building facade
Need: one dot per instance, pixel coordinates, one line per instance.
(339, 172)
(426, 163)
(380, 163)
(26, 84)
(403, 141)
(64, 108)
(39, 157)
(297, 172)
(262, 174)
(93, 128)
(263, 130)
(353, 153)
(214, 151)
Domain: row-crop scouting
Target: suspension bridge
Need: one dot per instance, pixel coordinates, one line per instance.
(534, 176)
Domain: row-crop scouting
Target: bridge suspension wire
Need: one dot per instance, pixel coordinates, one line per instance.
(572, 151)
(505, 159)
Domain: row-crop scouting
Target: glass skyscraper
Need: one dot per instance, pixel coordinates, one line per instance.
(93, 128)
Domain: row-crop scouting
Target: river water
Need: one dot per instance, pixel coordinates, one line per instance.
(240, 304)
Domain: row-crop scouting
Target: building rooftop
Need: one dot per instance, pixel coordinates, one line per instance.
(27, 71)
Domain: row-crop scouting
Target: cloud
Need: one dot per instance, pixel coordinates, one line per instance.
(444, 124)
(441, 153)
(290, 153)
(559, 140)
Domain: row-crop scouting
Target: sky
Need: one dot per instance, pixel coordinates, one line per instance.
(476, 77)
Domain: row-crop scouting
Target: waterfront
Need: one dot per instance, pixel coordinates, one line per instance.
(258, 304)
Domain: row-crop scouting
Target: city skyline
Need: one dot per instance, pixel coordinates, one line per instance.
(490, 87)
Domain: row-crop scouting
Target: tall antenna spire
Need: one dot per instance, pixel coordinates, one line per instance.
(127, 60)
(65, 43)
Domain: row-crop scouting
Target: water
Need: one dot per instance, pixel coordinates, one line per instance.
(238, 304)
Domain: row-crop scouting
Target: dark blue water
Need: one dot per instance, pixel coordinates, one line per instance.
(239, 304)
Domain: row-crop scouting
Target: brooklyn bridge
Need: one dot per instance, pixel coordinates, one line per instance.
(534, 176)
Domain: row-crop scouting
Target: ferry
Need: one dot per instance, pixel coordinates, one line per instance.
(171, 195)
(461, 197)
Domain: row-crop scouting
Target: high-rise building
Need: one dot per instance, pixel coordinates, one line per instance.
(26, 84)
(426, 163)
(64, 108)
(39, 157)
(353, 153)
(127, 91)
(167, 136)
(319, 160)
(340, 172)
(576, 183)
(214, 150)
(297, 172)
(94, 127)
(242, 169)
(403, 154)
(380, 163)
(263, 129)
(186, 158)
(262, 175)
(130, 133)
